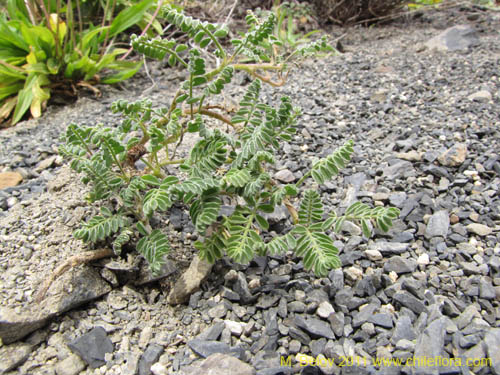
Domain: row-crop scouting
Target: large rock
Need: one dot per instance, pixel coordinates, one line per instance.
(492, 343)
(430, 344)
(190, 281)
(455, 38)
(9, 179)
(220, 364)
(74, 288)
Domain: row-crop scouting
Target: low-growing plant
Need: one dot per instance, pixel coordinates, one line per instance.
(230, 164)
(50, 46)
(288, 14)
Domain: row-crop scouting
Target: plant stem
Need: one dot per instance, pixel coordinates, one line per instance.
(217, 44)
(170, 162)
(302, 179)
(115, 158)
(212, 114)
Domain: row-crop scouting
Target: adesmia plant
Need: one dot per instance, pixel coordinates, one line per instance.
(230, 164)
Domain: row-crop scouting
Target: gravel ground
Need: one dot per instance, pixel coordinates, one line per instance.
(429, 288)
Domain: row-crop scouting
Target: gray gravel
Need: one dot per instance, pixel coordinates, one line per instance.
(428, 288)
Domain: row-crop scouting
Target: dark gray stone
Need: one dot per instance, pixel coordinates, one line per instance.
(85, 284)
(212, 333)
(409, 301)
(400, 265)
(267, 300)
(390, 247)
(271, 320)
(92, 347)
(486, 289)
(241, 287)
(430, 344)
(438, 224)
(383, 320)
(364, 315)
(205, 348)
(492, 344)
(455, 38)
(337, 322)
(397, 170)
(150, 356)
(298, 334)
(316, 327)
(230, 295)
(403, 330)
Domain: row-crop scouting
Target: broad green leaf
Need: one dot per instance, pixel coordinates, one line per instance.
(128, 17)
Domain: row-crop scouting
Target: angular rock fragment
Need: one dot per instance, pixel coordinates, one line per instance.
(220, 364)
(190, 281)
(74, 288)
(455, 38)
(92, 347)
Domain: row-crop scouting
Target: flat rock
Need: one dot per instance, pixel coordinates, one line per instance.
(397, 170)
(479, 229)
(482, 96)
(205, 348)
(492, 343)
(220, 364)
(316, 327)
(408, 300)
(455, 38)
(92, 347)
(390, 247)
(403, 330)
(13, 356)
(438, 225)
(454, 156)
(190, 281)
(74, 288)
(9, 179)
(410, 155)
(400, 265)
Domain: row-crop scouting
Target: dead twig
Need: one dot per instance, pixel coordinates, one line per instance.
(72, 262)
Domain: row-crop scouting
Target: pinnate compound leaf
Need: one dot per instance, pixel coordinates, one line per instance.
(154, 247)
(327, 167)
(311, 208)
(156, 199)
(122, 239)
(100, 227)
(318, 252)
